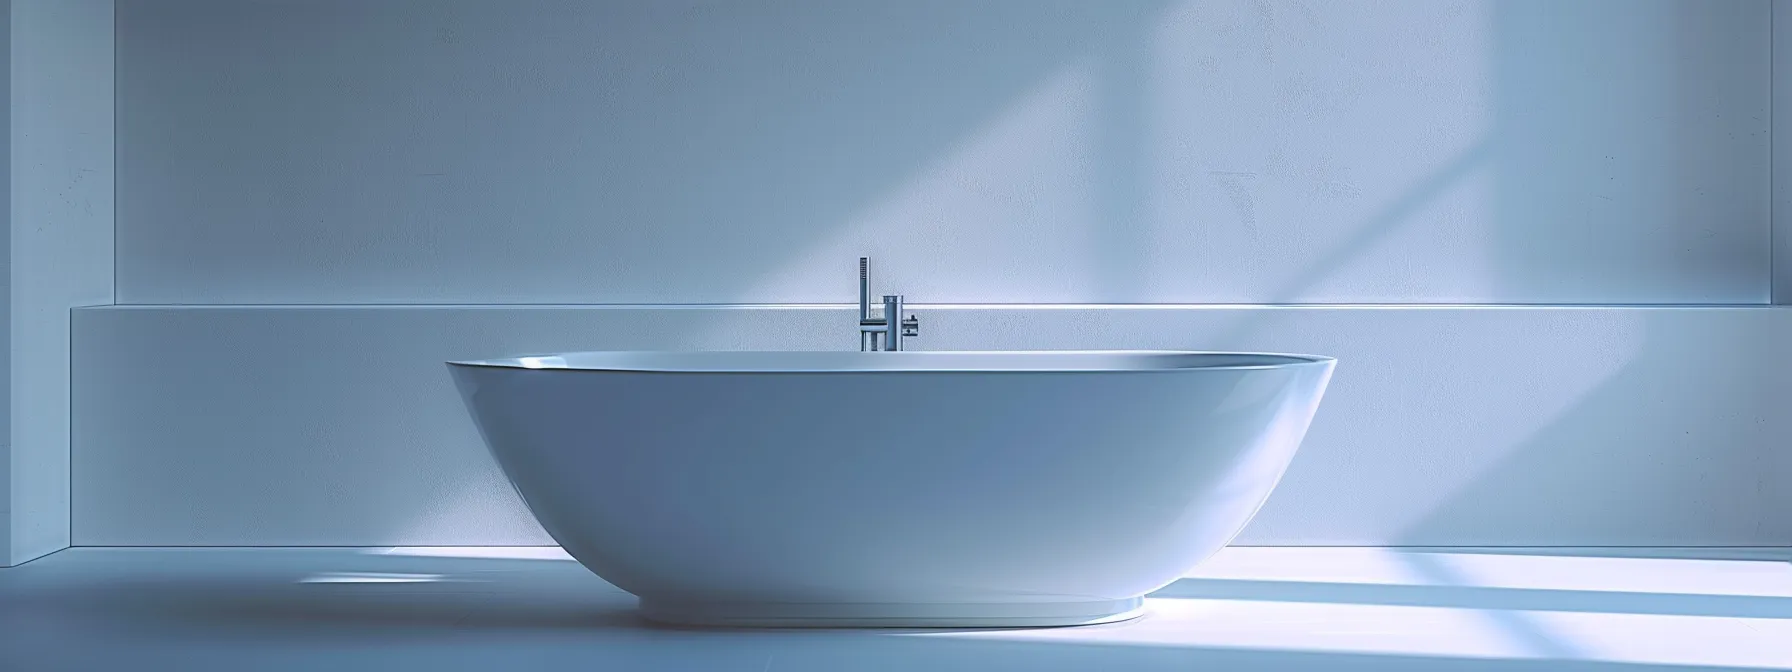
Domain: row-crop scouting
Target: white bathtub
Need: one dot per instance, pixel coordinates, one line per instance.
(893, 488)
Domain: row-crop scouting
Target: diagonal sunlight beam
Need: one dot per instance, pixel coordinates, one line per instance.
(1515, 623)
(1470, 596)
(1389, 219)
(1429, 604)
(1376, 228)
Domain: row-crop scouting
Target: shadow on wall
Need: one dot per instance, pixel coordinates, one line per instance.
(997, 151)
(730, 131)
(1629, 458)
(1632, 462)
(1573, 180)
(1519, 151)
(1567, 78)
(1588, 182)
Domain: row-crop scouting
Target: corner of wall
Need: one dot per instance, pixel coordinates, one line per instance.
(1780, 137)
(59, 249)
(6, 280)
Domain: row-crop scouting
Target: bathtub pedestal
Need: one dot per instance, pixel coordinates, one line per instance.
(819, 615)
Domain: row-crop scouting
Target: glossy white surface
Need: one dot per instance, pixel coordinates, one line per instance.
(893, 488)
(1284, 609)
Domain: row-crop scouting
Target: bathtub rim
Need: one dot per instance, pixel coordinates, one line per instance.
(854, 362)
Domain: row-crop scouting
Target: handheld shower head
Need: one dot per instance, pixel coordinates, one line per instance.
(864, 289)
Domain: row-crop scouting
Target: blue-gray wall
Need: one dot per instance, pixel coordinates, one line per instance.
(414, 170)
(1782, 155)
(59, 251)
(1061, 151)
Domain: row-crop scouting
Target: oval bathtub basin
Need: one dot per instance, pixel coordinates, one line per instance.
(902, 489)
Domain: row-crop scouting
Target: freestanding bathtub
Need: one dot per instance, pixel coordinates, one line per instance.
(908, 489)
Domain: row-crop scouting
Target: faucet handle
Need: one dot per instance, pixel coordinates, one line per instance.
(911, 326)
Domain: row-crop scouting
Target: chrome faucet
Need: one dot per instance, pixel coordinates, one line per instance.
(891, 328)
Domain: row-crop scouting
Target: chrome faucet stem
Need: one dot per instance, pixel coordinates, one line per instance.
(892, 331)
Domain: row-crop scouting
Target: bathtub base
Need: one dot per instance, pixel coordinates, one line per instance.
(819, 615)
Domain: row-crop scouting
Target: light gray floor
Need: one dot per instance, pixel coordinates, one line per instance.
(389, 610)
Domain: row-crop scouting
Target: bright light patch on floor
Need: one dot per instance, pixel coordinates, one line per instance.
(1759, 643)
(1656, 639)
(371, 577)
(481, 552)
(1283, 626)
(1513, 569)
(1482, 605)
